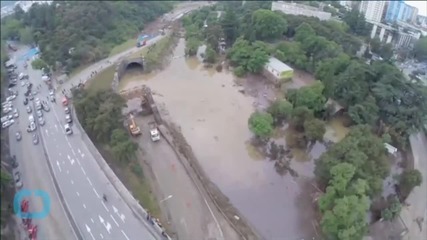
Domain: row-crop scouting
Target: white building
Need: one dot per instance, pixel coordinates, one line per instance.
(298, 9)
(373, 10)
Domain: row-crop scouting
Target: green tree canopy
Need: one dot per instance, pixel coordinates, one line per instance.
(252, 57)
(268, 25)
(309, 96)
(280, 110)
(314, 129)
(261, 124)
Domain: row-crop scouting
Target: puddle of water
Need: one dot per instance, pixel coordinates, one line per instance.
(193, 63)
(335, 129)
(253, 151)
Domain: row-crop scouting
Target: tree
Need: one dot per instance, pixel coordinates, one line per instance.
(230, 27)
(213, 35)
(362, 149)
(299, 116)
(122, 148)
(309, 96)
(39, 64)
(314, 129)
(268, 25)
(210, 55)
(292, 53)
(344, 205)
(410, 179)
(191, 46)
(420, 49)
(252, 57)
(357, 23)
(280, 110)
(261, 124)
(26, 36)
(366, 112)
(393, 209)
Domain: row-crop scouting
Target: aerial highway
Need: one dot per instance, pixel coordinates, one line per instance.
(34, 170)
(78, 209)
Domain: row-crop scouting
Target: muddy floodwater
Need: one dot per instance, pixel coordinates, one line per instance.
(213, 117)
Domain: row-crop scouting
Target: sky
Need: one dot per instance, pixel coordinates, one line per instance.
(421, 5)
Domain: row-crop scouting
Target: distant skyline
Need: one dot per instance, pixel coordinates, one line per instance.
(421, 5)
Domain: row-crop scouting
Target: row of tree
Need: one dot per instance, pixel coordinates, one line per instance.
(101, 116)
(72, 33)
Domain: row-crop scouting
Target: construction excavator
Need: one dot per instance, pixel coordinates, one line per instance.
(133, 128)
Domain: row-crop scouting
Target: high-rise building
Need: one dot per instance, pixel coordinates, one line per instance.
(400, 11)
(373, 10)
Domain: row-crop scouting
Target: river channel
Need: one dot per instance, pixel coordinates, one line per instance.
(213, 117)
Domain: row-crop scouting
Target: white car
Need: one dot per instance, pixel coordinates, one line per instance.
(32, 127)
(68, 129)
(23, 84)
(18, 181)
(41, 121)
(29, 110)
(10, 98)
(15, 113)
(31, 118)
(7, 124)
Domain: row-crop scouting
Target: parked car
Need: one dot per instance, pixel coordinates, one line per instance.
(68, 129)
(39, 113)
(18, 136)
(29, 110)
(13, 162)
(68, 118)
(41, 121)
(25, 101)
(67, 110)
(35, 139)
(18, 181)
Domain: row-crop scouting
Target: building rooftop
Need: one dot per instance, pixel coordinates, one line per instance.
(278, 65)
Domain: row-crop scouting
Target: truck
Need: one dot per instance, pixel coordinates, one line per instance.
(154, 132)
(133, 128)
(142, 40)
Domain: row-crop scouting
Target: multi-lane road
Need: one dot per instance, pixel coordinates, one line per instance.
(80, 180)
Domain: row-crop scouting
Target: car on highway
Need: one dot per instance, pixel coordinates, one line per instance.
(39, 113)
(18, 181)
(23, 84)
(13, 162)
(35, 139)
(7, 123)
(31, 118)
(52, 98)
(30, 96)
(68, 129)
(38, 106)
(18, 136)
(67, 110)
(68, 118)
(31, 127)
(45, 107)
(10, 98)
(15, 113)
(29, 109)
(25, 101)
(41, 121)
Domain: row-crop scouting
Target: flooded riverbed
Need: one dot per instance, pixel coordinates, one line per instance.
(213, 116)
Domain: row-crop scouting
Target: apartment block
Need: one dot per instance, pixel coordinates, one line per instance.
(298, 9)
(373, 10)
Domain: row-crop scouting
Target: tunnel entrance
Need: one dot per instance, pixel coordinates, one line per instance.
(133, 69)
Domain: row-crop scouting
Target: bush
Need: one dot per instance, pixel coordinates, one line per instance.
(261, 124)
(239, 71)
(296, 140)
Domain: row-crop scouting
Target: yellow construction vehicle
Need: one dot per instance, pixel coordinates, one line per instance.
(133, 128)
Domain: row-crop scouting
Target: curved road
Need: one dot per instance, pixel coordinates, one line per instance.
(81, 180)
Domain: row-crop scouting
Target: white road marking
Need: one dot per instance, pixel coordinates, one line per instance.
(78, 150)
(89, 231)
(114, 220)
(122, 217)
(84, 206)
(57, 163)
(68, 156)
(103, 204)
(83, 155)
(92, 220)
(124, 234)
(102, 237)
(78, 162)
(72, 182)
(78, 194)
(72, 161)
(108, 227)
(47, 132)
(56, 127)
(95, 192)
(83, 171)
(89, 181)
